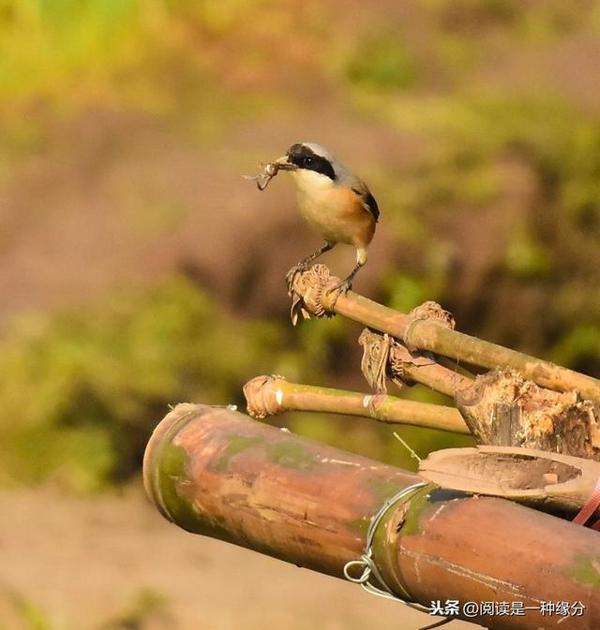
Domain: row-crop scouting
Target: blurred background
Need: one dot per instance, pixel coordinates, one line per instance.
(138, 269)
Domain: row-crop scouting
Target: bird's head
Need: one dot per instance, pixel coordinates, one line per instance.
(310, 164)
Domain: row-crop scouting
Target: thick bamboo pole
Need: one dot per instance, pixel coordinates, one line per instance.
(270, 395)
(313, 288)
(215, 472)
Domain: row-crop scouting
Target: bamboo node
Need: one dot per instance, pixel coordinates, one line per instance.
(372, 403)
(263, 398)
(306, 290)
(428, 310)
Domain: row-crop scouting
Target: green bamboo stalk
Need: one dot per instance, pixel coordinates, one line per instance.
(271, 395)
(384, 356)
(437, 377)
(314, 286)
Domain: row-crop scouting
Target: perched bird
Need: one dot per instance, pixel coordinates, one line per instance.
(333, 201)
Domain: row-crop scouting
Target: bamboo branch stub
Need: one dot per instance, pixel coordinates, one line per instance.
(430, 335)
(271, 395)
(428, 311)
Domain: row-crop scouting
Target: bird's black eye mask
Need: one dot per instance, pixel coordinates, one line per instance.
(304, 157)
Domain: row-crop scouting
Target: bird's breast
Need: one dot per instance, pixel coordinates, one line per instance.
(337, 213)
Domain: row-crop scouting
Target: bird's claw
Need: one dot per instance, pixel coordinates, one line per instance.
(291, 274)
(342, 287)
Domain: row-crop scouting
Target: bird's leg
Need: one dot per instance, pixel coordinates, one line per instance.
(324, 248)
(345, 285)
(305, 262)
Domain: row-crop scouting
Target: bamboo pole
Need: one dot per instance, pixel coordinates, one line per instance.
(311, 294)
(271, 395)
(213, 471)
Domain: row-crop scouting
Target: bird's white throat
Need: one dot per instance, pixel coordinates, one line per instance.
(307, 181)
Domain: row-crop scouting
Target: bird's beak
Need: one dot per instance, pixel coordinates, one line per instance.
(283, 164)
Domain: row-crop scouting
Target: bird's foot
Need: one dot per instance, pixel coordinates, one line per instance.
(343, 287)
(291, 274)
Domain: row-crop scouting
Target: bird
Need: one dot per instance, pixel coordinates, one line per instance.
(333, 201)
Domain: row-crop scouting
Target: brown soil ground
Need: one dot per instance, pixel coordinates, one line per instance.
(83, 563)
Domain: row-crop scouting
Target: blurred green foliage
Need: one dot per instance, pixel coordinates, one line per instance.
(65, 47)
(479, 147)
(82, 389)
(580, 346)
(147, 605)
(381, 61)
(74, 53)
(146, 608)
(32, 616)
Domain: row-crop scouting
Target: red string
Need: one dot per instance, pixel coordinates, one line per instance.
(589, 507)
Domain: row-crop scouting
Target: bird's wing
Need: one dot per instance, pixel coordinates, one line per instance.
(368, 201)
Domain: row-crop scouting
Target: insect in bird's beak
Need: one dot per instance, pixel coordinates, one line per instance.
(270, 170)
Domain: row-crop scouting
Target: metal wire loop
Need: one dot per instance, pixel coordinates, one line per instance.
(366, 561)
